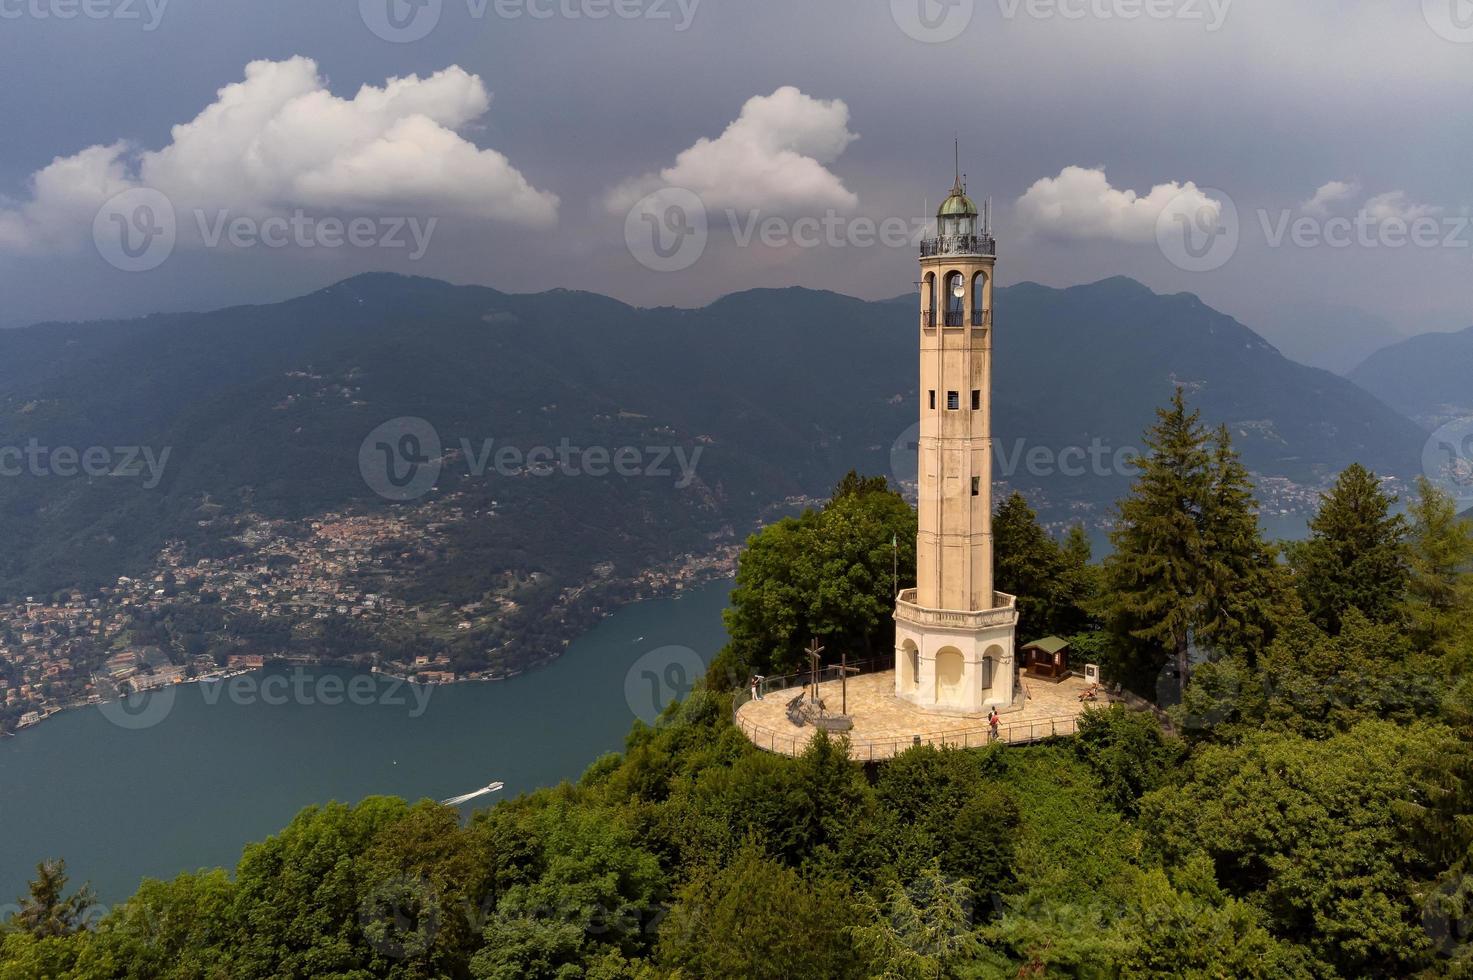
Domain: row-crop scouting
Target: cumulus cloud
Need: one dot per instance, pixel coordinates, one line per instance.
(1329, 195)
(1396, 206)
(280, 140)
(1080, 203)
(774, 157)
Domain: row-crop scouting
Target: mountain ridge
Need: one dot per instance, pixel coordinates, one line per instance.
(1428, 377)
(266, 405)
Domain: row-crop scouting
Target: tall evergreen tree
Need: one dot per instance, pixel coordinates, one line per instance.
(1439, 603)
(1154, 576)
(1189, 560)
(1355, 555)
(1440, 817)
(1242, 584)
(1081, 583)
(1028, 564)
(46, 911)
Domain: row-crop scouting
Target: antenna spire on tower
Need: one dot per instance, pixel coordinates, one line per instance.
(958, 149)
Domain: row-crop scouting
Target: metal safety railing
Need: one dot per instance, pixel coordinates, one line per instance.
(790, 682)
(879, 749)
(792, 742)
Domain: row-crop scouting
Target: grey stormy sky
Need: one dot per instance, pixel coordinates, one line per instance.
(1100, 128)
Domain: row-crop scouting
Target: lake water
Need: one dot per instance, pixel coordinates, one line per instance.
(219, 766)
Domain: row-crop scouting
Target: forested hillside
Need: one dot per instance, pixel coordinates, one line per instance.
(265, 409)
(1307, 812)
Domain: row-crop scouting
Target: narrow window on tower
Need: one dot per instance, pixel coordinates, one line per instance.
(976, 486)
(976, 399)
(933, 399)
(953, 401)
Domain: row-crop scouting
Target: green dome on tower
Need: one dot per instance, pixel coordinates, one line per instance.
(958, 205)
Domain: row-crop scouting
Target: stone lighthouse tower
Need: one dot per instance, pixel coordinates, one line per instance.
(954, 636)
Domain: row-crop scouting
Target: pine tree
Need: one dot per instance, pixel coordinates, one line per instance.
(1441, 816)
(1190, 562)
(1356, 553)
(1081, 582)
(1154, 590)
(1439, 604)
(46, 911)
(1242, 584)
(1027, 563)
(1053, 582)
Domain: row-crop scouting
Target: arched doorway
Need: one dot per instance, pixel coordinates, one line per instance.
(909, 661)
(950, 669)
(991, 664)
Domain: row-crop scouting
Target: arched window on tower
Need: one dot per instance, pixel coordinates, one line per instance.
(956, 299)
(979, 298)
(928, 300)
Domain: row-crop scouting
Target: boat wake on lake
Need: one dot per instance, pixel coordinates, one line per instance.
(483, 791)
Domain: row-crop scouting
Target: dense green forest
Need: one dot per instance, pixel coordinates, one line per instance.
(1307, 813)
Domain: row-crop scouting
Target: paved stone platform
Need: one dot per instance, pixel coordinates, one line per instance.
(885, 726)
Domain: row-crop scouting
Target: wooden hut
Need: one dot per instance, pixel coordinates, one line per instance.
(1047, 659)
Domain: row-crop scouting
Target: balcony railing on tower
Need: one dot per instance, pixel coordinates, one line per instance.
(983, 244)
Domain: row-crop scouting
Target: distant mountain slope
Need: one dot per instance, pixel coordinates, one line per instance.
(266, 407)
(1099, 358)
(1335, 338)
(1429, 378)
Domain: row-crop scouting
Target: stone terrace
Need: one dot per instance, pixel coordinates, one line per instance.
(885, 726)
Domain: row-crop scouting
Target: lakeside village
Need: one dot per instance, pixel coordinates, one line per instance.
(301, 594)
(295, 586)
